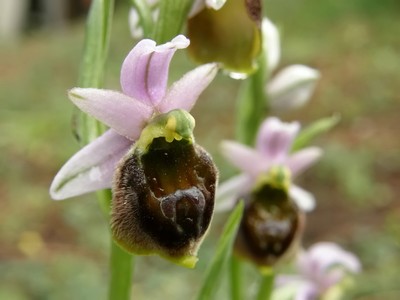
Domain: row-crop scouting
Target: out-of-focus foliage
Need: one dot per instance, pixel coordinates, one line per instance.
(58, 250)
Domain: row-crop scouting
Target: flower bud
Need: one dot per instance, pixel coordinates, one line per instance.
(164, 191)
(271, 223)
(230, 36)
(292, 87)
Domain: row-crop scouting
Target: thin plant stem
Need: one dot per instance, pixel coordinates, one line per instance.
(252, 104)
(98, 31)
(266, 285)
(236, 278)
(121, 267)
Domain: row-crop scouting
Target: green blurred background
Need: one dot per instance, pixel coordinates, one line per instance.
(59, 250)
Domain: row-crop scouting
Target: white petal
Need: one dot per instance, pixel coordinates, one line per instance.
(304, 199)
(215, 4)
(271, 43)
(245, 158)
(124, 114)
(303, 159)
(91, 168)
(292, 87)
(134, 24)
(184, 93)
(229, 192)
(197, 6)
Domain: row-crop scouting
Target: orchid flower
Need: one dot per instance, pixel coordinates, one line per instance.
(274, 141)
(291, 87)
(320, 268)
(144, 77)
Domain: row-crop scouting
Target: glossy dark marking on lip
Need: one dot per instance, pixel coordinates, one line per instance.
(164, 199)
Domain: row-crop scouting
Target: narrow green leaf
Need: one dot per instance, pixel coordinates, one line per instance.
(223, 253)
(121, 273)
(236, 280)
(311, 131)
(98, 31)
(266, 285)
(171, 19)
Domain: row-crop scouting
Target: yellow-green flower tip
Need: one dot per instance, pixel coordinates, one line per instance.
(278, 177)
(266, 270)
(184, 261)
(177, 124)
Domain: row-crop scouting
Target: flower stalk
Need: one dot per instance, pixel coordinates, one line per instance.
(98, 31)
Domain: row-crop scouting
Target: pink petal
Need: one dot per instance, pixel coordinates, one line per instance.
(144, 72)
(184, 93)
(318, 261)
(125, 115)
(307, 291)
(230, 191)
(91, 168)
(295, 287)
(275, 139)
(245, 158)
(303, 159)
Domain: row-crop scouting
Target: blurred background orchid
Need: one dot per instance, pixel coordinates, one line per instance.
(322, 273)
(338, 56)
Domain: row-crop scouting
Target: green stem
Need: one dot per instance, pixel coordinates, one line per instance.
(98, 31)
(266, 285)
(171, 19)
(145, 15)
(121, 264)
(252, 104)
(235, 279)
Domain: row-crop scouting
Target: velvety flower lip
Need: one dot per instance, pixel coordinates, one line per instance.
(323, 266)
(144, 76)
(274, 141)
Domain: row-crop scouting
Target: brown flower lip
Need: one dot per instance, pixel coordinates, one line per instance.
(270, 227)
(164, 199)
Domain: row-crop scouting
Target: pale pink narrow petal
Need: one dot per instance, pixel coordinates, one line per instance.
(197, 6)
(275, 139)
(229, 191)
(144, 72)
(307, 291)
(91, 168)
(324, 256)
(303, 159)
(245, 158)
(184, 93)
(125, 115)
(134, 70)
(304, 200)
(294, 287)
